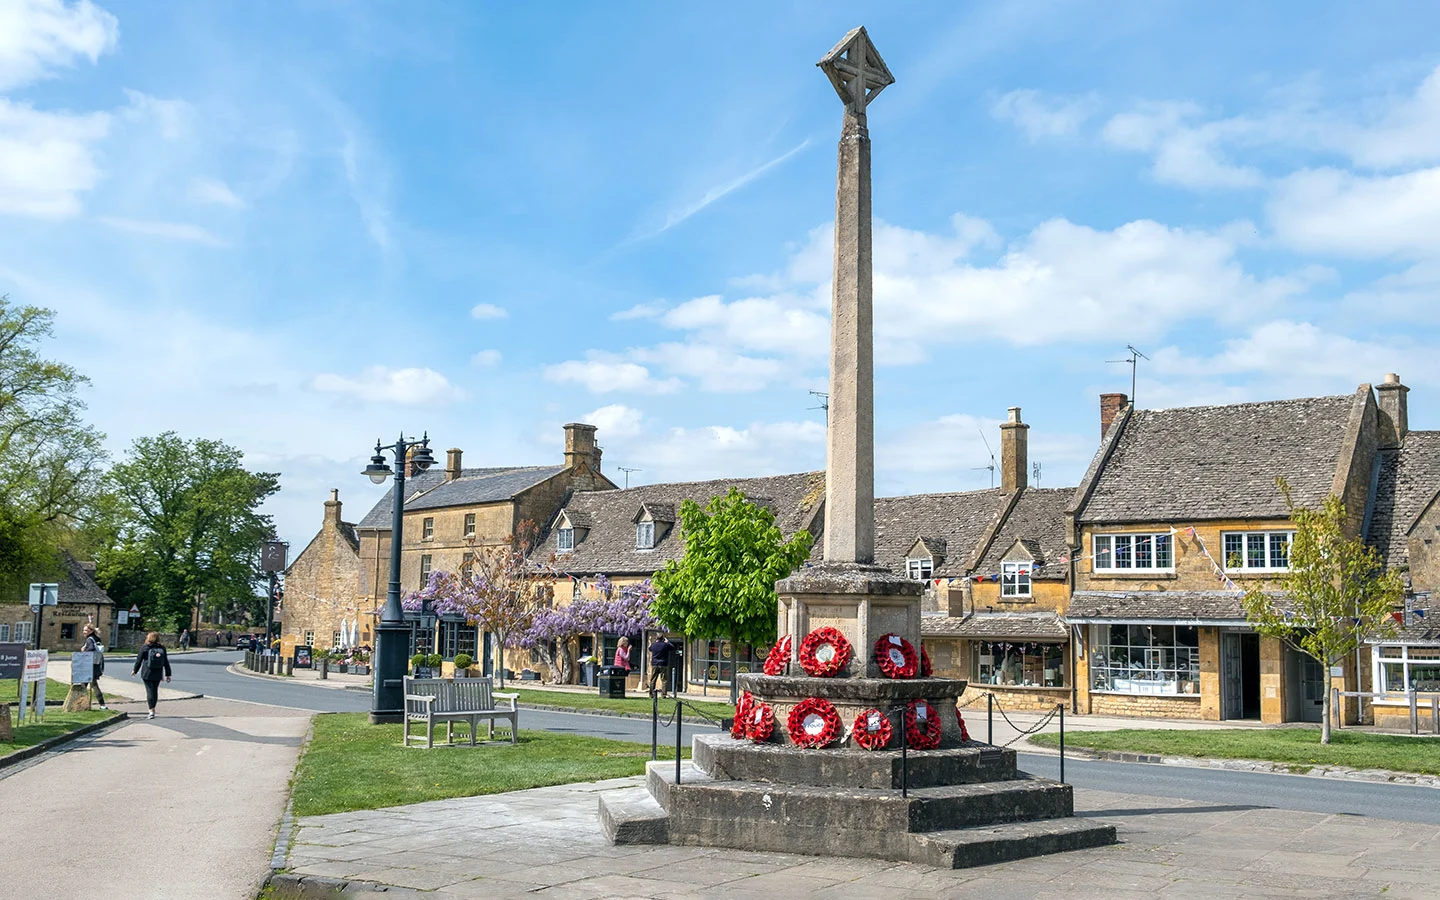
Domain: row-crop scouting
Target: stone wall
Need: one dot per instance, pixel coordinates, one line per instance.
(1047, 595)
(1145, 706)
(321, 585)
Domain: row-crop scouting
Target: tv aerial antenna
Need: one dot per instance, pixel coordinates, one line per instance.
(1134, 363)
(627, 470)
(991, 467)
(1035, 473)
(824, 399)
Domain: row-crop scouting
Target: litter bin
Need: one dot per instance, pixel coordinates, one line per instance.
(612, 682)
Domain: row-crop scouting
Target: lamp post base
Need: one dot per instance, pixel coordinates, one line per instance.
(392, 647)
(387, 717)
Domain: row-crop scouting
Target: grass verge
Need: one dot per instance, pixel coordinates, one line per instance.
(54, 724)
(572, 700)
(350, 764)
(54, 690)
(1300, 748)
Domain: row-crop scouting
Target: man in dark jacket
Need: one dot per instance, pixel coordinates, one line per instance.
(152, 663)
(662, 655)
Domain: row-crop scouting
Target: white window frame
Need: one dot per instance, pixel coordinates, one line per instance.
(25, 632)
(564, 540)
(427, 565)
(427, 528)
(334, 639)
(919, 568)
(1103, 554)
(1013, 577)
(309, 638)
(1267, 539)
(4, 632)
(645, 535)
(1404, 660)
(469, 525)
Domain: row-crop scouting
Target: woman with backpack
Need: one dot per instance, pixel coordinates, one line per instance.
(152, 663)
(92, 645)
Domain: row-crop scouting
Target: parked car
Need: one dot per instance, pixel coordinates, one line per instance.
(242, 642)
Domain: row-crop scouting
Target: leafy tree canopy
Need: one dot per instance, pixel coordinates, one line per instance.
(182, 518)
(724, 585)
(1335, 594)
(50, 460)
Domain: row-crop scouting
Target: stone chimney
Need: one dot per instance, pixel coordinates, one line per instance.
(1394, 418)
(332, 508)
(1110, 406)
(580, 449)
(1014, 452)
(452, 464)
(595, 460)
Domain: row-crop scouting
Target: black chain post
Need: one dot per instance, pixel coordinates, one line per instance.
(654, 726)
(990, 719)
(678, 721)
(1062, 743)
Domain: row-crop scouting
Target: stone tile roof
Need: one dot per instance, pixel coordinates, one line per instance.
(1038, 521)
(1421, 632)
(941, 626)
(609, 545)
(1013, 625)
(1409, 480)
(78, 584)
(1177, 606)
(959, 519)
(430, 490)
(1220, 462)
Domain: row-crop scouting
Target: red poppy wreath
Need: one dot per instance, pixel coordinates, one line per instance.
(964, 732)
(896, 657)
(778, 657)
(825, 652)
(759, 723)
(922, 725)
(813, 722)
(737, 728)
(872, 729)
(926, 670)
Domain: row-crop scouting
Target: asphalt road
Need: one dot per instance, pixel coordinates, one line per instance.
(206, 673)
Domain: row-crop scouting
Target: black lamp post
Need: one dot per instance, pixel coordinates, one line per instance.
(392, 635)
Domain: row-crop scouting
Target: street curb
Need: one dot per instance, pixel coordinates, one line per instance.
(34, 750)
(238, 669)
(1381, 776)
(289, 886)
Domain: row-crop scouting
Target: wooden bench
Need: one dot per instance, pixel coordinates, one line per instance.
(432, 700)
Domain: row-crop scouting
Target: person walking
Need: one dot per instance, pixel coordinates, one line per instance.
(662, 652)
(185, 640)
(152, 663)
(92, 645)
(622, 655)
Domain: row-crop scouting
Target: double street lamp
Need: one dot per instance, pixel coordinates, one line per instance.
(392, 635)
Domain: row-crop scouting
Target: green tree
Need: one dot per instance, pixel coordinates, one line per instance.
(724, 585)
(1335, 594)
(182, 518)
(50, 460)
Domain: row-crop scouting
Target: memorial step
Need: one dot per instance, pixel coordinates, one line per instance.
(964, 848)
(725, 757)
(660, 775)
(631, 816)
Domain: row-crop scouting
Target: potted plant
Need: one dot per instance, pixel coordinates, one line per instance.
(419, 666)
(463, 662)
(361, 664)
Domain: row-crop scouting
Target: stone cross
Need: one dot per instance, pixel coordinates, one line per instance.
(858, 73)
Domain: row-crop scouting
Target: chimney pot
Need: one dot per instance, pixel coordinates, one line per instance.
(1394, 417)
(452, 464)
(579, 445)
(1392, 378)
(332, 508)
(1014, 452)
(1014, 414)
(1110, 406)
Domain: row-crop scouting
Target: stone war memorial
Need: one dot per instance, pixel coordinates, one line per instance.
(814, 763)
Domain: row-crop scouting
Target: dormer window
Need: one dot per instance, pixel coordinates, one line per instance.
(919, 568)
(644, 535)
(564, 540)
(1015, 579)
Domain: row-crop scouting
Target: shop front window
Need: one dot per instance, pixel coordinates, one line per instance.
(717, 661)
(1019, 663)
(1145, 659)
(1403, 667)
(456, 637)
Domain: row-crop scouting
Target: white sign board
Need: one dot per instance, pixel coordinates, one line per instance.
(44, 594)
(82, 667)
(37, 662)
(122, 617)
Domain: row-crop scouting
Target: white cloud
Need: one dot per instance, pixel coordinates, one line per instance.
(405, 387)
(638, 311)
(1406, 295)
(602, 373)
(37, 36)
(46, 159)
(214, 191)
(1332, 211)
(720, 451)
(1406, 132)
(486, 359)
(1186, 154)
(615, 421)
(368, 188)
(483, 311)
(718, 369)
(775, 324)
(172, 117)
(1041, 116)
(175, 231)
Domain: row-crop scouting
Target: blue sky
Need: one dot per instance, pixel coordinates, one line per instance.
(297, 226)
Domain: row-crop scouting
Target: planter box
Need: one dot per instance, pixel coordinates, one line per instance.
(424, 672)
(527, 675)
(342, 668)
(359, 670)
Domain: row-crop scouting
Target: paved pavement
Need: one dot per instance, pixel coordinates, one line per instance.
(185, 805)
(546, 842)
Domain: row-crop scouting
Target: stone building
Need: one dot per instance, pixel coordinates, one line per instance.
(1403, 524)
(448, 513)
(322, 585)
(628, 535)
(996, 570)
(80, 601)
(1177, 516)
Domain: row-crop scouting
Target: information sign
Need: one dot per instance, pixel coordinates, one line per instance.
(122, 617)
(44, 594)
(37, 663)
(82, 667)
(303, 658)
(12, 660)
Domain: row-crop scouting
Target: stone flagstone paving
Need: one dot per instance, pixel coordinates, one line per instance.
(547, 842)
